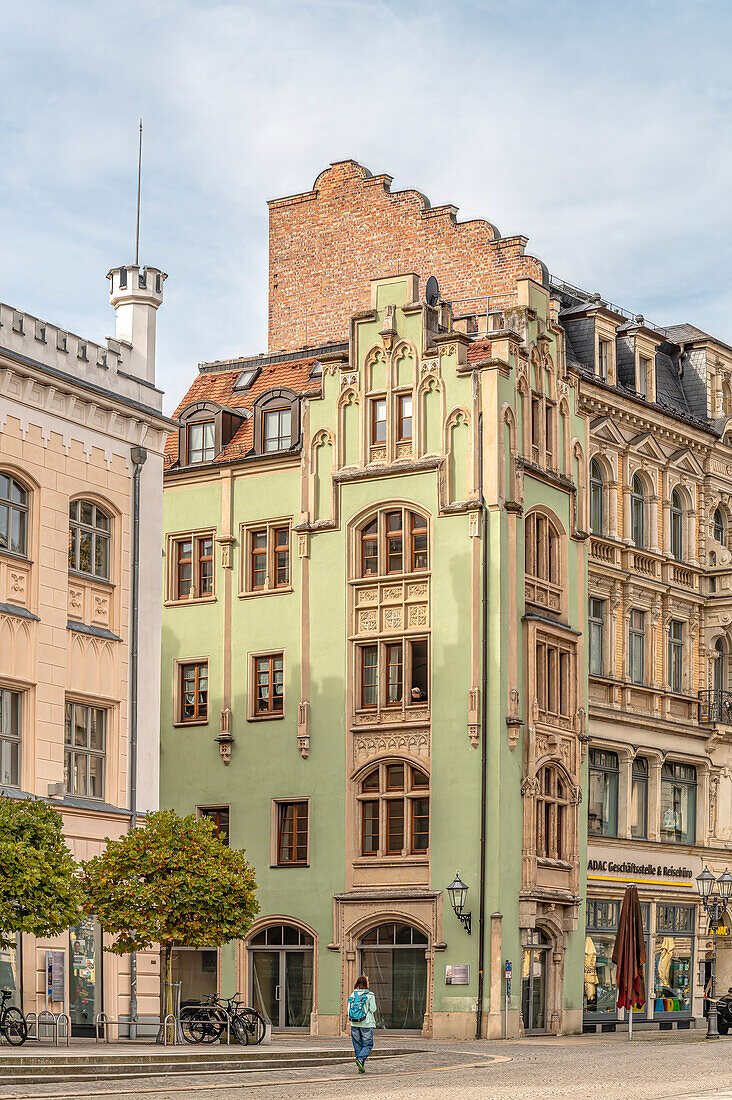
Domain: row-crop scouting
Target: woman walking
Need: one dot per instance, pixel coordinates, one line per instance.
(361, 1014)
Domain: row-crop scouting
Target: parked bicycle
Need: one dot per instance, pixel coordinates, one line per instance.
(205, 1021)
(12, 1021)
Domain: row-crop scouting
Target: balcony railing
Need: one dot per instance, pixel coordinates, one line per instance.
(715, 706)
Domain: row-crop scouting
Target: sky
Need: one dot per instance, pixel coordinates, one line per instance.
(601, 131)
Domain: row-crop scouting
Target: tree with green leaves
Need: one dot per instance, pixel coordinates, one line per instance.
(170, 881)
(39, 880)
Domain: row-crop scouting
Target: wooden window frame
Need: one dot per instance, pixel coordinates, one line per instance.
(203, 449)
(72, 750)
(373, 421)
(401, 418)
(271, 715)
(386, 797)
(277, 410)
(180, 665)
(275, 830)
(77, 528)
(281, 807)
(22, 509)
(196, 539)
(552, 815)
(248, 532)
(207, 811)
(10, 738)
(382, 646)
(408, 534)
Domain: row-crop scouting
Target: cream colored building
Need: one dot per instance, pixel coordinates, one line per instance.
(77, 420)
(659, 402)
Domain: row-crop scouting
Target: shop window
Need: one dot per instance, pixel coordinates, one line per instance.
(84, 750)
(89, 539)
(602, 810)
(192, 567)
(267, 557)
(675, 655)
(637, 513)
(603, 351)
(394, 541)
(269, 685)
(678, 803)
(393, 955)
(596, 498)
(404, 417)
(677, 526)
(637, 647)
(193, 691)
(10, 737)
(395, 810)
(596, 620)
(552, 809)
(639, 798)
(219, 817)
(13, 516)
(600, 992)
(673, 960)
(200, 442)
(292, 833)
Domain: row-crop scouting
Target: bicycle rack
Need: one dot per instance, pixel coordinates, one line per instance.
(67, 1026)
(31, 1021)
(173, 1020)
(101, 1020)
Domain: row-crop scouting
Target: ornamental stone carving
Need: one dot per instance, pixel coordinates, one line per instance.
(367, 745)
(367, 620)
(392, 618)
(417, 616)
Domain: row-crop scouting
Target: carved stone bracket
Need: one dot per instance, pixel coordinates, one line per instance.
(513, 718)
(303, 544)
(474, 716)
(225, 738)
(303, 728)
(225, 542)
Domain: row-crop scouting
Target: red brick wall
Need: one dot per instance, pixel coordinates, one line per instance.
(327, 244)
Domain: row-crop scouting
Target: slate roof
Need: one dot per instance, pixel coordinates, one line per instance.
(219, 386)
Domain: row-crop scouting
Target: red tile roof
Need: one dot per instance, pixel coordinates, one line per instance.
(218, 386)
(479, 350)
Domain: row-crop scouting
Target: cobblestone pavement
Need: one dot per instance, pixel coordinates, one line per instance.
(578, 1068)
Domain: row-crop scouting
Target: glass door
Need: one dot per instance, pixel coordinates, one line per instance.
(282, 964)
(533, 987)
(393, 959)
(85, 976)
(266, 985)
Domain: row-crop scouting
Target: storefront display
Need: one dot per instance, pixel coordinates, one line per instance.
(10, 973)
(673, 960)
(600, 989)
(84, 979)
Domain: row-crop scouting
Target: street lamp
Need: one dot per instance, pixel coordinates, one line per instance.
(715, 904)
(458, 892)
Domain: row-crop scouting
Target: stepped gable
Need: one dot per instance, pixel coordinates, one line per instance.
(216, 382)
(327, 244)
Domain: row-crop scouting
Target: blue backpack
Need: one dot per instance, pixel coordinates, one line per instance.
(357, 1003)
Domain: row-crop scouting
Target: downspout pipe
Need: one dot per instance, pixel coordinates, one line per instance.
(483, 735)
(139, 457)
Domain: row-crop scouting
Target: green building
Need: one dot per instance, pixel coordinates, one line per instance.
(373, 653)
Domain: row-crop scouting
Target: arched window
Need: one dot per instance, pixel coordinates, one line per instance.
(677, 526)
(13, 515)
(637, 513)
(718, 525)
(89, 535)
(393, 955)
(395, 810)
(395, 540)
(552, 804)
(596, 491)
(719, 670)
(542, 556)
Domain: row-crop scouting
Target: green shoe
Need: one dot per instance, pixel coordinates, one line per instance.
(359, 1063)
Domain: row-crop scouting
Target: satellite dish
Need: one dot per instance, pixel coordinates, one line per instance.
(432, 291)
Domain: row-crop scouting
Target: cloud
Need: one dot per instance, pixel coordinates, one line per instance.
(602, 133)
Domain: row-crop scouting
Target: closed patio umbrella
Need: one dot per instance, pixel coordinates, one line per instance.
(629, 956)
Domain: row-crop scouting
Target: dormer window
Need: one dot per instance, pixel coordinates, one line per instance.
(603, 355)
(642, 377)
(277, 429)
(246, 378)
(200, 442)
(317, 371)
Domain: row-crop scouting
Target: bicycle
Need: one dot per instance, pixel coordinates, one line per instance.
(12, 1021)
(205, 1021)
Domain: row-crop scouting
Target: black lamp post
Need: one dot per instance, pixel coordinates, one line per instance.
(458, 892)
(715, 904)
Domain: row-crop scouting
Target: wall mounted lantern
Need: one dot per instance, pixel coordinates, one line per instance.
(458, 891)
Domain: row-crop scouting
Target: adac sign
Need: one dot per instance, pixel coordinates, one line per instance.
(644, 870)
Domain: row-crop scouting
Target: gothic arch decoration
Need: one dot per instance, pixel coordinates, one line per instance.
(322, 487)
(579, 473)
(376, 369)
(349, 428)
(404, 352)
(566, 431)
(458, 448)
(16, 646)
(680, 493)
(523, 403)
(430, 414)
(508, 488)
(536, 380)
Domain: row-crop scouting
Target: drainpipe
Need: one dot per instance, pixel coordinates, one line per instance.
(138, 456)
(484, 733)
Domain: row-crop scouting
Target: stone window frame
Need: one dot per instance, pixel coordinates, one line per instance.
(543, 631)
(178, 664)
(205, 811)
(604, 624)
(382, 645)
(246, 531)
(252, 657)
(407, 794)
(73, 700)
(275, 811)
(109, 536)
(557, 587)
(24, 509)
(379, 513)
(560, 798)
(172, 539)
(273, 399)
(7, 687)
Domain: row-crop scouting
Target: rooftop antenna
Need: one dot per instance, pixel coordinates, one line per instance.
(139, 177)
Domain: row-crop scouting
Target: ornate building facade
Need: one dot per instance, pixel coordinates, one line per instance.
(373, 632)
(81, 439)
(659, 612)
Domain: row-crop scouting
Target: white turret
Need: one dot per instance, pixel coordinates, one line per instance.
(136, 293)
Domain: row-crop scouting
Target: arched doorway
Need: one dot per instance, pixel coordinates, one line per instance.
(534, 968)
(393, 958)
(281, 982)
